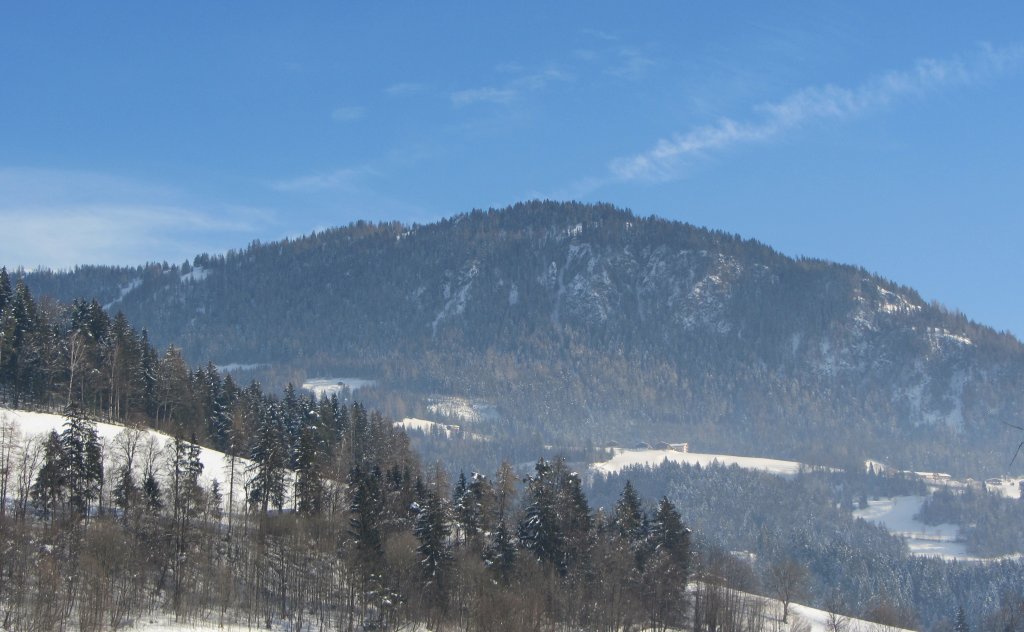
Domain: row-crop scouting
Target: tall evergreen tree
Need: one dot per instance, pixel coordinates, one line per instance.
(628, 517)
(432, 530)
(270, 455)
(82, 459)
(540, 529)
(310, 487)
(500, 553)
(49, 485)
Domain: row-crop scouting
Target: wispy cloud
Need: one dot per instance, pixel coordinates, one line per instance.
(819, 103)
(483, 95)
(630, 64)
(348, 113)
(601, 35)
(345, 179)
(62, 237)
(59, 219)
(509, 91)
(404, 88)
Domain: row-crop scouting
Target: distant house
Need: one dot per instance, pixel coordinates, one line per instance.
(679, 447)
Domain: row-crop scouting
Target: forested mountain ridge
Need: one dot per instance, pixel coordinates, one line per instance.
(586, 320)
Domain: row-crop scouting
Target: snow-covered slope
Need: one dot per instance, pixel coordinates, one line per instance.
(216, 465)
(655, 457)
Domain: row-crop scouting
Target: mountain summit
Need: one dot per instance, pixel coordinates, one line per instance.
(578, 321)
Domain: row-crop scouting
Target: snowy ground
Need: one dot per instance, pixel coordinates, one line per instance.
(423, 425)
(653, 458)
(429, 427)
(167, 624)
(215, 464)
(235, 366)
(321, 386)
(468, 410)
(799, 615)
(818, 620)
(897, 515)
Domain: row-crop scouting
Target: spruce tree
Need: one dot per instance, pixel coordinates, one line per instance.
(432, 530)
(539, 530)
(48, 487)
(82, 459)
(629, 515)
(500, 553)
(310, 489)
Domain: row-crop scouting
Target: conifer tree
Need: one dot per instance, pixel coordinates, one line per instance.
(127, 493)
(82, 459)
(270, 455)
(539, 530)
(48, 487)
(367, 508)
(500, 553)
(309, 482)
(432, 530)
(628, 517)
(667, 568)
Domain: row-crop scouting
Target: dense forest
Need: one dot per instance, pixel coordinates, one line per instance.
(324, 517)
(990, 525)
(846, 564)
(585, 322)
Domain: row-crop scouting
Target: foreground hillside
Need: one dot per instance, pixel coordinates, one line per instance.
(579, 321)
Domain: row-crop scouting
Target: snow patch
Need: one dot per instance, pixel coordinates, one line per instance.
(125, 290)
(215, 464)
(939, 338)
(455, 302)
(893, 303)
(468, 410)
(653, 458)
(235, 366)
(327, 386)
(425, 426)
(198, 273)
(897, 515)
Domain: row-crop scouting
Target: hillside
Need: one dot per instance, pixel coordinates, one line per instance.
(584, 322)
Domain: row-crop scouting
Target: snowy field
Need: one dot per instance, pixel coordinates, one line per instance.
(897, 515)
(423, 425)
(215, 464)
(653, 458)
(428, 427)
(328, 386)
(799, 616)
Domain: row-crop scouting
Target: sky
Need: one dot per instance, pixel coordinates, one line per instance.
(882, 134)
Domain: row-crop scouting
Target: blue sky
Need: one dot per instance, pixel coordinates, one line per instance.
(883, 134)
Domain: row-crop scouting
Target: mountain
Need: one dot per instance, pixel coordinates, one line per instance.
(578, 322)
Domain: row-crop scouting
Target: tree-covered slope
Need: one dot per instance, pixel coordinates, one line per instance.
(588, 321)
